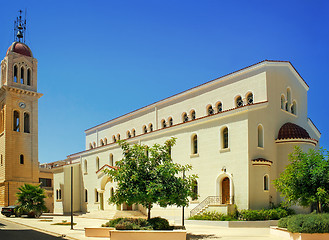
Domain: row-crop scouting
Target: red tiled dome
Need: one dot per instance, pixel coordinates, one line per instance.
(292, 131)
(20, 48)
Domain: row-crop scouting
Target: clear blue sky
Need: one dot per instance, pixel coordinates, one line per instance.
(101, 59)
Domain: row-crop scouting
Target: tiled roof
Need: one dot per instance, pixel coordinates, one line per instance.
(20, 48)
(292, 131)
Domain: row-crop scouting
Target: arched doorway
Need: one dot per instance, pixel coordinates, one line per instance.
(226, 191)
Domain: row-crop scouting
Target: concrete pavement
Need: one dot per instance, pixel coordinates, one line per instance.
(195, 231)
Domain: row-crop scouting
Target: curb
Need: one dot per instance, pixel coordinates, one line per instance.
(63, 236)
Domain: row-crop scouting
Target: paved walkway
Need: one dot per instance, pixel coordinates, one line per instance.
(195, 232)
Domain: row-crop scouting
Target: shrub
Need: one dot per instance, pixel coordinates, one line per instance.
(159, 223)
(309, 223)
(213, 216)
(263, 214)
(283, 222)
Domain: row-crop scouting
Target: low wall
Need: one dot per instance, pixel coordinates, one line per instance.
(235, 224)
(98, 232)
(147, 235)
(284, 234)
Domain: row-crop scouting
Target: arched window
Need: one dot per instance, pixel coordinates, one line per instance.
(170, 121)
(94, 144)
(86, 195)
(238, 102)
(15, 74)
(112, 192)
(90, 146)
(210, 110)
(194, 144)
(195, 190)
(118, 136)
(28, 80)
(26, 123)
(114, 139)
(111, 159)
(102, 142)
(151, 127)
(250, 98)
(225, 138)
(105, 141)
(144, 129)
(97, 163)
(192, 114)
(294, 108)
(288, 102)
(96, 196)
(21, 159)
(219, 107)
(85, 166)
(266, 183)
(16, 121)
(184, 117)
(128, 134)
(133, 132)
(260, 136)
(1, 160)
(283, 102)
(163, 123)
(22, 75)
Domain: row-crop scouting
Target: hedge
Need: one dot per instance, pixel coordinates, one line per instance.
(156, 223)
(306, 223)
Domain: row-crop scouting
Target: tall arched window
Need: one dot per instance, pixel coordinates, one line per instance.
(28, 80)
(112, 192)
(114, 139)
(16, 121)
(210, 110)
(1, 160)
(192, 114)
(22, 75)
(21, 159)
(288, 103)
(184, 117)
(85, 166)
(102, 142)
(260, 136)
(105, 141)
(170, 121)
(26, 123)
(96, 196)
(266, 183)
(97, 163)
(111, 159)
(219, 107)
(90, 146)
(128, 134)
(163, 123)
(94, 144)
(151, 127)
(238, 102)
(250, 98)
(118, 136)
(283, 102)
(15, 74)
(195, 190)
(144, 129)
(133, 132)
(225, 138)
(294, 108)
(194, 144)
(86, 195)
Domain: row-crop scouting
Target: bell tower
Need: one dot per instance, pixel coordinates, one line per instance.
(18, 117)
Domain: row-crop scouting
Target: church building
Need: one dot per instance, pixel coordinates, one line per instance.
(236, 131)
(18, 118)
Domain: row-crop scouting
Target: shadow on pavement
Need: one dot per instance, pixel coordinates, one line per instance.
(25, 234)
(190, 236)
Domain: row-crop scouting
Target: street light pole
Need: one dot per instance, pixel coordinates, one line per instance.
(71, 197)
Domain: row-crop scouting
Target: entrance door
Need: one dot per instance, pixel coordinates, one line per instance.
(226, 191)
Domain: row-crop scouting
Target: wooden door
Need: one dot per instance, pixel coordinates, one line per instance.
(226, 191)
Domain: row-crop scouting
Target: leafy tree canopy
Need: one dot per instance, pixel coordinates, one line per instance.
(147, 176)
(31, 198)
(306, 179)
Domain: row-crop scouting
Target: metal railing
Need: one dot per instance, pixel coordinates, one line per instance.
(210, 200)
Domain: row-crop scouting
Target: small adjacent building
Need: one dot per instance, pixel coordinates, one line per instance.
(236, 131)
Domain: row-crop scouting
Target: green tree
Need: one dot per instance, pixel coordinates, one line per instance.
(31, 199)
(147, 176)
(305, 180)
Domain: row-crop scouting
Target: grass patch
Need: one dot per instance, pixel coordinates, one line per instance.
(45, 220)
(64, 223)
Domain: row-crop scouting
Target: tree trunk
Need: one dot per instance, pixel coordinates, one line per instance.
(149, 212)
(319, 207)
